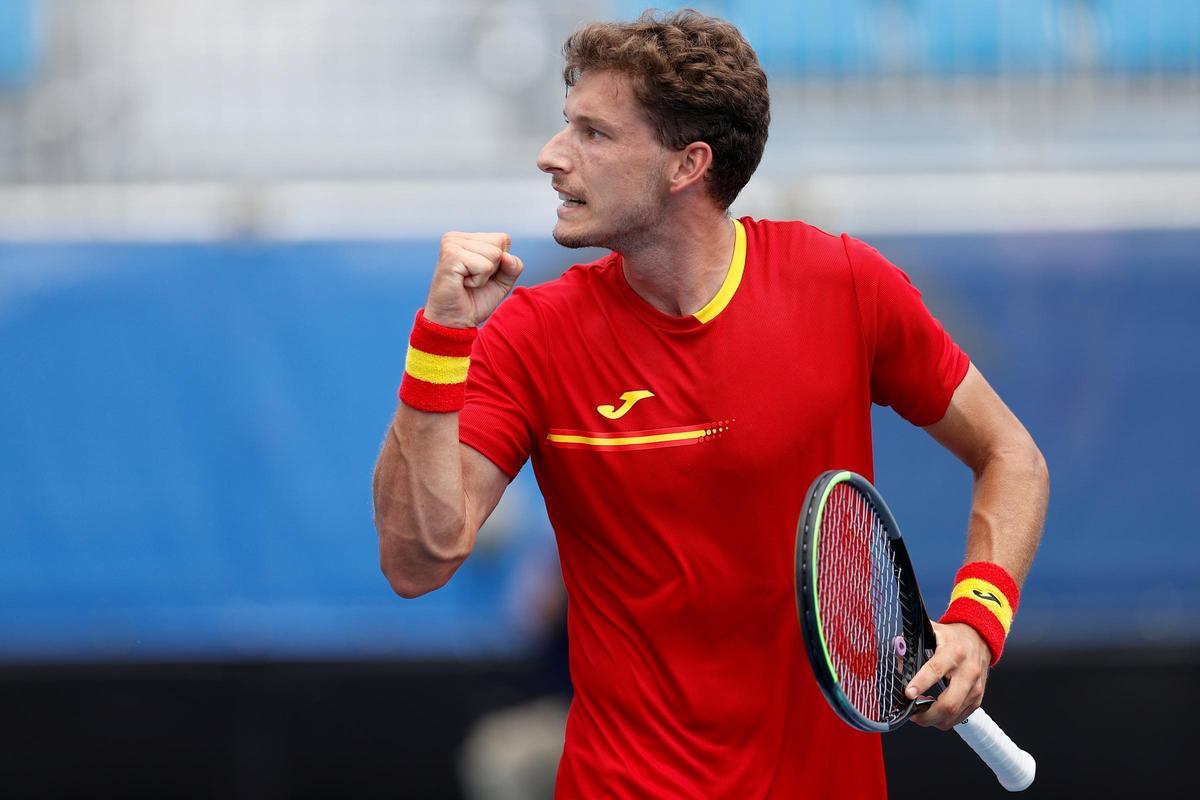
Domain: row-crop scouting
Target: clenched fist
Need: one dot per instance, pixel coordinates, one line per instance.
(473, 274)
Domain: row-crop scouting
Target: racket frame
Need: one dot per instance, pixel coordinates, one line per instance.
(807, 595)
(1014, 767)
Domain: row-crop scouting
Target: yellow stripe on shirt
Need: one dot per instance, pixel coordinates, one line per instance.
(733, 278)
(598, 441)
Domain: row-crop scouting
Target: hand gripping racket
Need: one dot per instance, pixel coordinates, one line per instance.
(863, 621)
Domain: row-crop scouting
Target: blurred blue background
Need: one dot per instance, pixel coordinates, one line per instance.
(189, 435)
(189, 432)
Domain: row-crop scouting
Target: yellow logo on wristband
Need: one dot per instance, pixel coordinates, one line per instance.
(988, 596)
(436, 369)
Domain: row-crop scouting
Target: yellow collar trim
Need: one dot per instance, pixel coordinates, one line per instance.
(737, 265)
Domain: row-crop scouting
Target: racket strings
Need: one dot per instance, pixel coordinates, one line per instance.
(862, 597)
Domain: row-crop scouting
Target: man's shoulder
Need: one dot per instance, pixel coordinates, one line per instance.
(577, 285)
(788, 249)
(786, 227)
(794, 234)
(573, 292)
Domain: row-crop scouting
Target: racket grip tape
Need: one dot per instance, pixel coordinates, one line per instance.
(1013, 766)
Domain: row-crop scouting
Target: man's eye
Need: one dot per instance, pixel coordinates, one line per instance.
(592, 133)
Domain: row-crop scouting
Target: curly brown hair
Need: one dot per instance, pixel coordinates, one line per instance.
(698, 80)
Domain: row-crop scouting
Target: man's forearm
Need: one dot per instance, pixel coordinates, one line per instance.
(1008, 507)
(423, 484)
(1008, 510)
(1012, 485)
(420, 502)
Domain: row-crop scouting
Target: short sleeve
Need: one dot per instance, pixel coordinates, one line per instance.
(502, 411)
(915, 365)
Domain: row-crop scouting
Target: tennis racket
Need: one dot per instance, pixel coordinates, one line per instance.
(864, 624)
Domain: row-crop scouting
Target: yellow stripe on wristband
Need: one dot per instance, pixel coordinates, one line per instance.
(988, 596)
(436, 369)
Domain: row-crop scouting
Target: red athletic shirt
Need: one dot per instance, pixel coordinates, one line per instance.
(674, 454)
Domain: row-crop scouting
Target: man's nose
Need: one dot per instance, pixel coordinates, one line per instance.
(553, 158)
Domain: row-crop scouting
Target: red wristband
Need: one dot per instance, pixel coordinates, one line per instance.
(435, 371)
(985, 597)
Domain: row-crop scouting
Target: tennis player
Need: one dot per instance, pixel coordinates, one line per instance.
(676, 398)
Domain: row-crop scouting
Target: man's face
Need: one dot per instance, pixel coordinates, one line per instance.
(607, 165)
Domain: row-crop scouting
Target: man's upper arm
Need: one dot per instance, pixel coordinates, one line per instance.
(914, 364)
(977, 424)
(483, 484)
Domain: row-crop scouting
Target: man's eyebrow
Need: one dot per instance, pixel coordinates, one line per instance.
(584, 119)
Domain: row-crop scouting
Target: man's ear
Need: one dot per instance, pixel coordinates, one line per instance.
(691, 164)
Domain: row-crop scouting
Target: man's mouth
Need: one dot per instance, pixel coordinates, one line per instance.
(570, 200)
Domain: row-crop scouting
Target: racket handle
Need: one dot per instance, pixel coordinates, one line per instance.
(1012, 765)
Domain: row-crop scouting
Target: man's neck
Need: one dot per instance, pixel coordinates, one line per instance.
(683, 268)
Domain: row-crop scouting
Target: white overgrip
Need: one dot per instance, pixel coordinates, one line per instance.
(1012, 765)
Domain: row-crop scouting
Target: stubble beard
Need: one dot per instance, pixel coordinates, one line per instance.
(633, 226)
